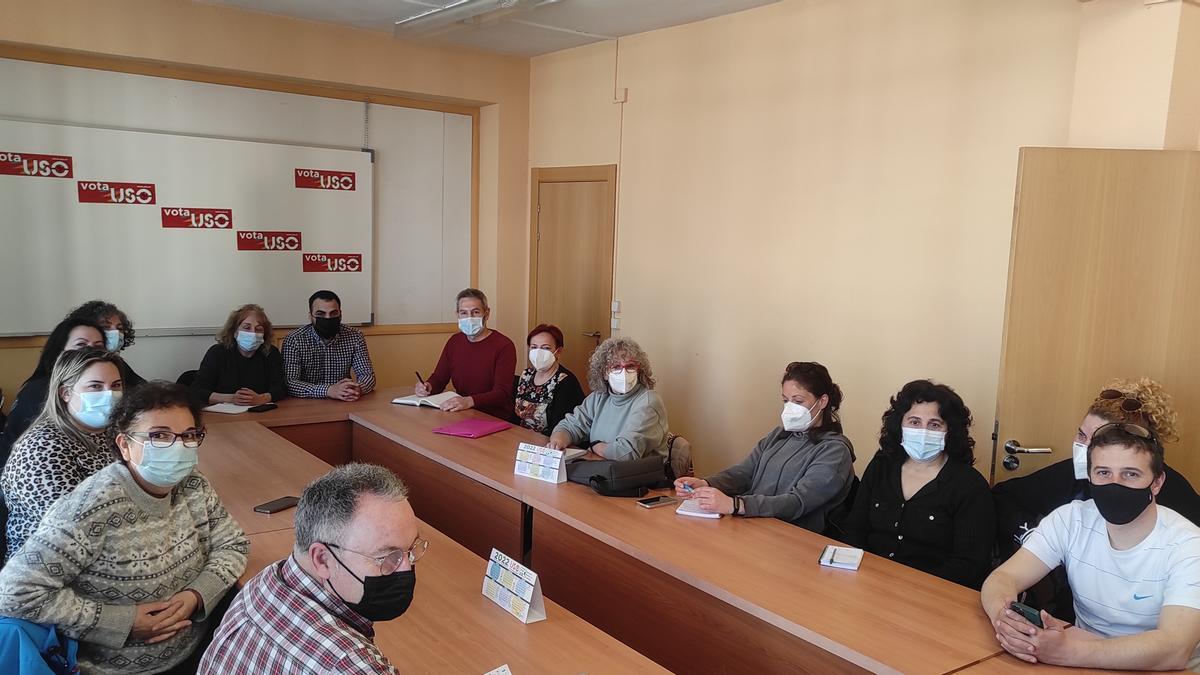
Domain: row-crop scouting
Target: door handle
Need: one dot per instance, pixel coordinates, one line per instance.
(1014, 447)
(592, 334)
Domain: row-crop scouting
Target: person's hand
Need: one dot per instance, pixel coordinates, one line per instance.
(558, 441)
(148, 615)
(1060, 643)
(345, 390)
(262, 399)
(713, 500)
(458, 403)
(245, 396)
(422, 389)
(1015, 634)
(177, 616)
(688, 481)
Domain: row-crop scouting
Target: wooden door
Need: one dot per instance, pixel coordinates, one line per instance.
(1102, 283)
(573, 213)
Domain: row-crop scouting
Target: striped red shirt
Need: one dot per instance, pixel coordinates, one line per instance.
(284, 622)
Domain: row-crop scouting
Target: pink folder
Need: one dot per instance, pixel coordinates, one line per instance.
(473, 428)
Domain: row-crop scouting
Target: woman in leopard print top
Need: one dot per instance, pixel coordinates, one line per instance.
(66, 444)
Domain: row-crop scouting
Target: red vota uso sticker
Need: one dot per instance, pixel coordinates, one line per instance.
(104, 192)
(320, 179)
(44, 166)
(332, 262)
(268, 241)
(201, 219)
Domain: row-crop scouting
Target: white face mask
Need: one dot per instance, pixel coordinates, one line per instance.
(922, 444)
(541, 358)
(622, 381)
(1079, 460)
(796, 417)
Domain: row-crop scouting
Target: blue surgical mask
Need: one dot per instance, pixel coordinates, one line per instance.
(248, 341)
(166, 467)
(113, 340)
(471, 325)
(923, 444)
(95, 407)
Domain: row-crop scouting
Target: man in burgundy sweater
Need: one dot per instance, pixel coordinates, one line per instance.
(478, 361)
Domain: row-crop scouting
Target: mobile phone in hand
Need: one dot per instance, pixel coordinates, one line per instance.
(1028, 613)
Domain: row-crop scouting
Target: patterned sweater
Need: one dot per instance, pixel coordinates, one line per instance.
(110, 545)
(46, 464)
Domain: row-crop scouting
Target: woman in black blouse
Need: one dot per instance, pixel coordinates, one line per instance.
(70, 334)
(244, 367)
(921, 503)
(546, 391)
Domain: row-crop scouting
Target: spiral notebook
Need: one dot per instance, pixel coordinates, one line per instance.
(690, 507)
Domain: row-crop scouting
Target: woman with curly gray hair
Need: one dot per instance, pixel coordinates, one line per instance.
(623, 418)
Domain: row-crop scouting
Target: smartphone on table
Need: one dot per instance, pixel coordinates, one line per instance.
(655, 502)
(277, 505)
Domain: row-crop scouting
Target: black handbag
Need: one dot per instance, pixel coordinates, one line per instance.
(628, 478)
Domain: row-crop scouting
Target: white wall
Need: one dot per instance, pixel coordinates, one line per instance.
(437, 237)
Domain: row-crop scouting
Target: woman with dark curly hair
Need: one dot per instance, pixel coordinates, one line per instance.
(920, 502)
(118, 331)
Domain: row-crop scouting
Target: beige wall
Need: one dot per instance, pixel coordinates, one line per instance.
(820, 180)
(193, 34)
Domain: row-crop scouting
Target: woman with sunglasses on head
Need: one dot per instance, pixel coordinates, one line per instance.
(1021, 503)
(143, 551)
(623, 418)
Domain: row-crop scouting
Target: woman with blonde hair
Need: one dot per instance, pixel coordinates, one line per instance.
(1021, 503)
(67, 443)
(623, 418)
(244, 367)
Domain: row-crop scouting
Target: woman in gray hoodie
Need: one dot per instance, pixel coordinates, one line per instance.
(623, 418)
(800, 472)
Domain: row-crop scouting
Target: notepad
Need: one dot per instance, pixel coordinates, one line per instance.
(473, 428)
(841, 557)
(433, 401)
(690, 507)
(227, 408)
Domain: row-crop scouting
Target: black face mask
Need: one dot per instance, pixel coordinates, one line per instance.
(327, 326)
(1119, 504)
(384, 597)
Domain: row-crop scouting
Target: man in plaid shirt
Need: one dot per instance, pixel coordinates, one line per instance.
(318, 358)
(313, 612)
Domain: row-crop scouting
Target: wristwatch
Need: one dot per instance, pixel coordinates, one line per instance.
(737, 506)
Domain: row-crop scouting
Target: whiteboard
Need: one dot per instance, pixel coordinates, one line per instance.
(60, 245)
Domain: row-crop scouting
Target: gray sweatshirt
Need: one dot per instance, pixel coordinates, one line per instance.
(789, 477)
(634, 424)
(108, 546)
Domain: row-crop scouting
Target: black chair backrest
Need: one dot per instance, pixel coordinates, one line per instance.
(187, 378)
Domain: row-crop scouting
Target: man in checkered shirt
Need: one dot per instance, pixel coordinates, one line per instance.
(318, 358)
(356, 545)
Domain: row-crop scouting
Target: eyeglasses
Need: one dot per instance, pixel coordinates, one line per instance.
(165, 439)
(628, 368)
(1128, 403)
(1132, 429)
(391, 562)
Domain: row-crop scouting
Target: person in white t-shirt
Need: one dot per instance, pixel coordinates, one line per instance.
(1133, 567)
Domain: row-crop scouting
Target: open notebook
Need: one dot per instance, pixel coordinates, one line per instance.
(431, 401)
(842, 557)
(227, 408)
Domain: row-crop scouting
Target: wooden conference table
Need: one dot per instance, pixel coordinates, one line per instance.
(693, 594)
(451, 626)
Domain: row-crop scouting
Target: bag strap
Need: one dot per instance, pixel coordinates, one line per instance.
(600, 485)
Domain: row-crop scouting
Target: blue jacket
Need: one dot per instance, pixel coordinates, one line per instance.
(35, 649)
